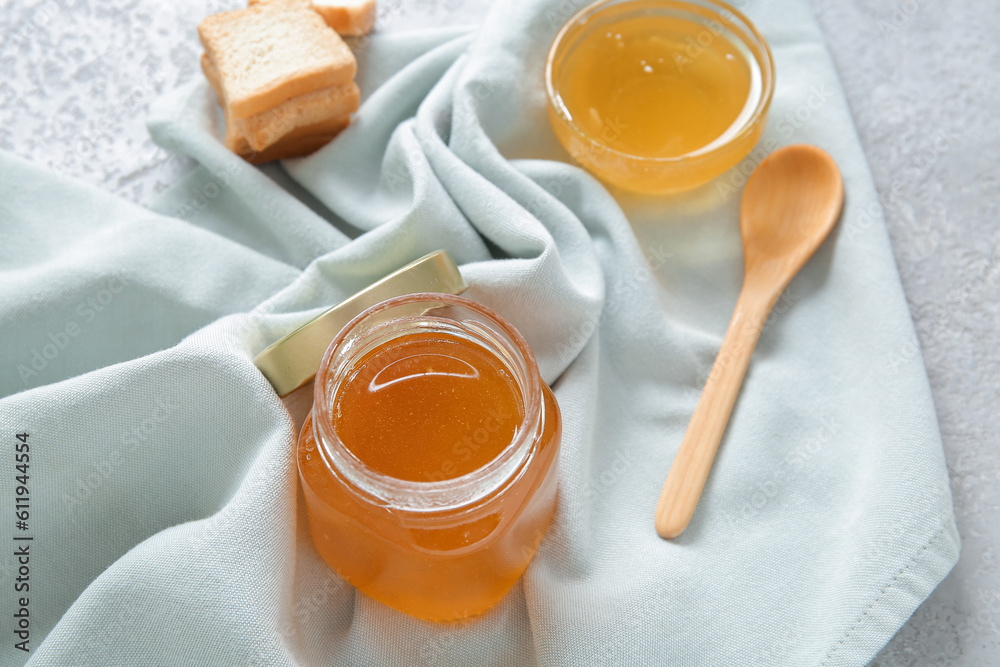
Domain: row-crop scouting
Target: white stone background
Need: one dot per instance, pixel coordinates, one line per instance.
(76, 77)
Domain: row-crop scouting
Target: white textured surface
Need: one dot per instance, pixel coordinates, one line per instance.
(922, 83)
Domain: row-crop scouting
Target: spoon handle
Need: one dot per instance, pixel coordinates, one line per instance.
(693, 462)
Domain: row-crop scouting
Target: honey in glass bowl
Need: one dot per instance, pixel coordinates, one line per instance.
(428, 460)
(659, 96)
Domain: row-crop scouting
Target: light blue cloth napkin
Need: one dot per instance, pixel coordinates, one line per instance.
(167, 524)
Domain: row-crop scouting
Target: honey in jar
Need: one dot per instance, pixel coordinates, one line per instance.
(428, 461)
(427, 406)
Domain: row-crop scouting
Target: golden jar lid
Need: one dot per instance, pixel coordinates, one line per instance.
(293, 360)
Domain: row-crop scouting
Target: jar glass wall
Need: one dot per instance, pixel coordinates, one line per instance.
(447, 535)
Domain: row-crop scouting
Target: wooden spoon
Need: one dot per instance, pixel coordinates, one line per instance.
(790, 204)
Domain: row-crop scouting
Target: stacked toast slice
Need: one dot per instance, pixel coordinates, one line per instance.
(284, 77)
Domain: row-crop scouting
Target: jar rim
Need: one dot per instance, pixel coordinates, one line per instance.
(432, 495)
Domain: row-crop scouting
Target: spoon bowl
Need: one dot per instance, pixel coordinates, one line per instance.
(789, 206)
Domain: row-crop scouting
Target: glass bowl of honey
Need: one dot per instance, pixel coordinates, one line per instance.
(428, 460)
(659, 96)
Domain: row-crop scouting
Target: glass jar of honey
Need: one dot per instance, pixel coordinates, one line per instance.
(428, 459)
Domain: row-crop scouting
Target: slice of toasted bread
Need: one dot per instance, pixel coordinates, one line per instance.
(302, 140)
(347, 17)
(266, 128)
(272, 52)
